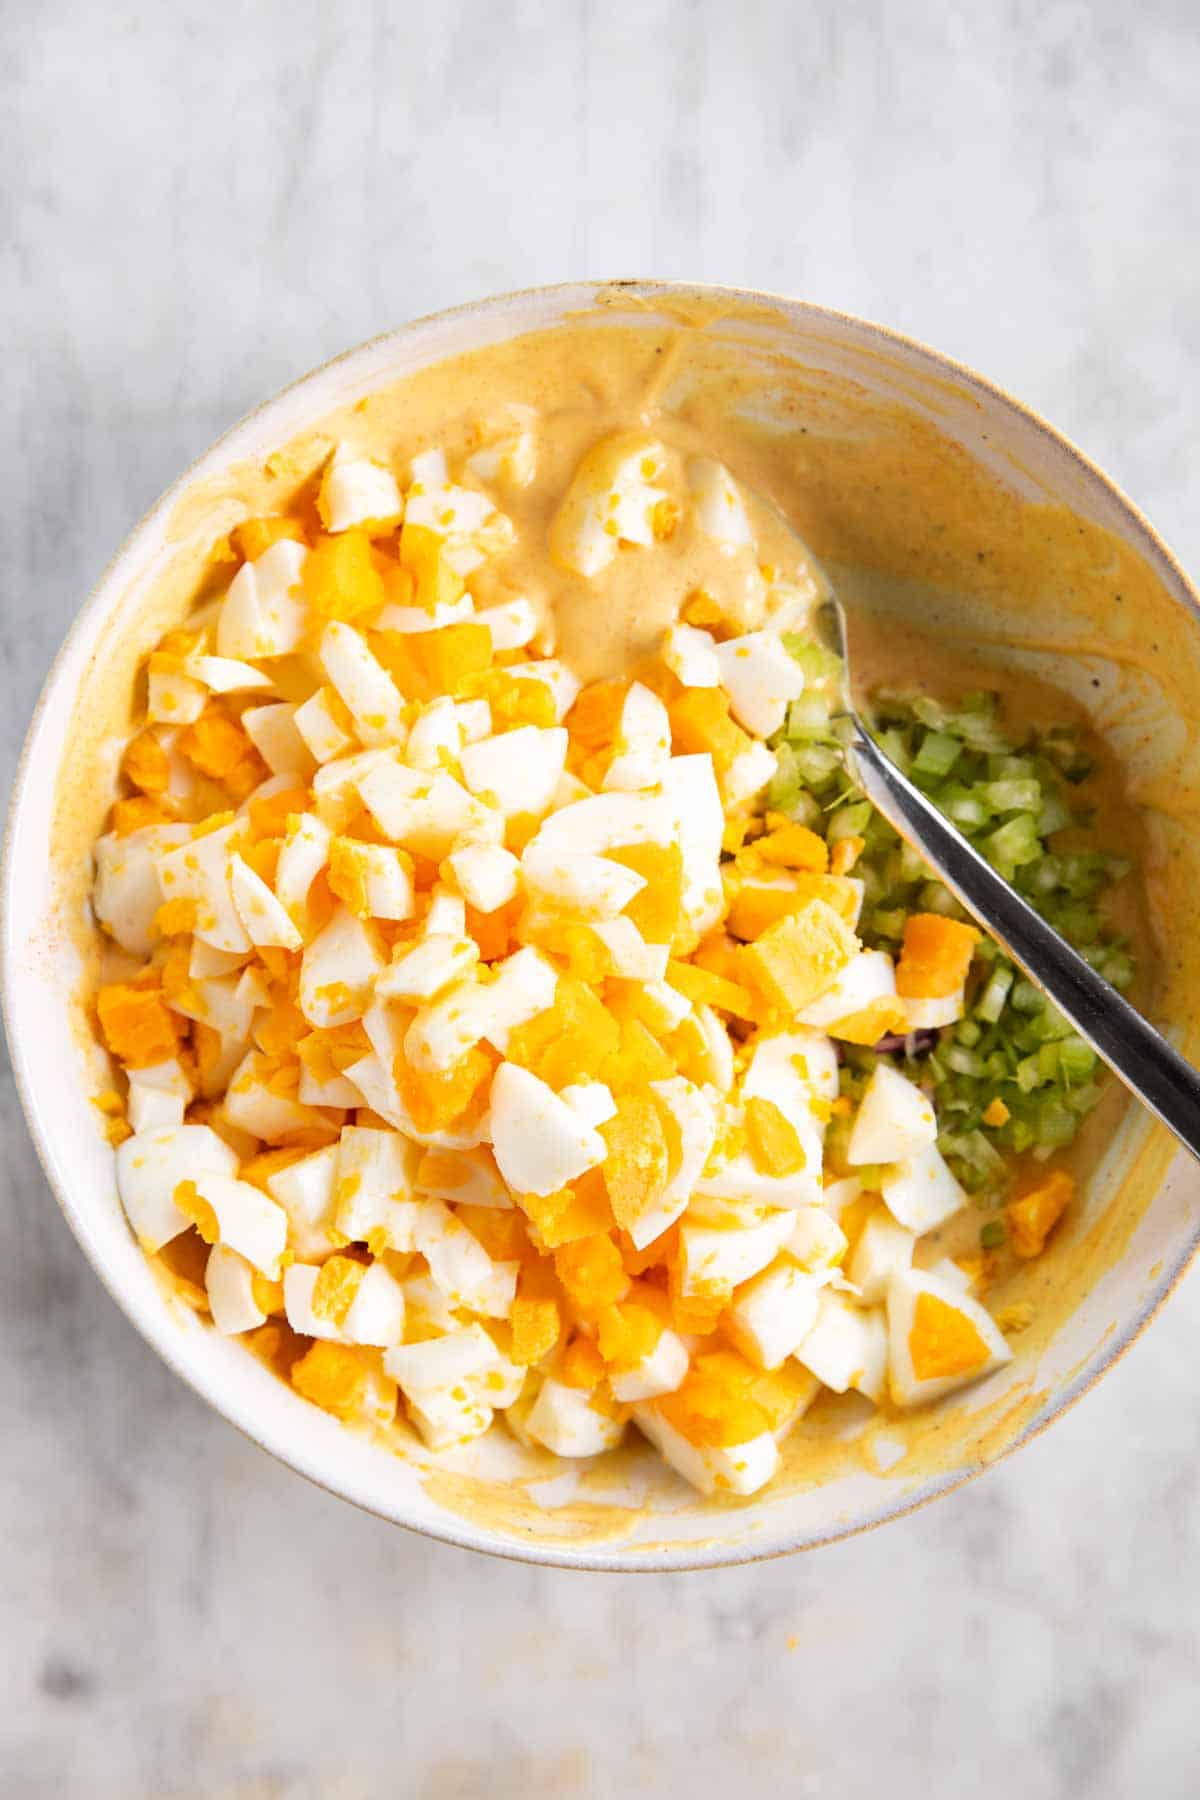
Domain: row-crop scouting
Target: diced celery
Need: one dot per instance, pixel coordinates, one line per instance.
(933, 897)
(807, 717)
(816, 763)
(1011, 795)
(990, 1004)
(937, 755)
(1014, 844)
(849, 821)
(817, 662)
(1076, 1060)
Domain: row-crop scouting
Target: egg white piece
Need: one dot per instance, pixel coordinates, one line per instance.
(299, 1280)
(660, 1371)
(868, 977)
(386, 876)
(716, 1056)
(818, 1242)
(720, 509)
(357, 491)
(304, 854)
(454, 1383)
(173, 697)
(693, 801)
(894, 1120)
(585, 885)
(696, 1123)
(253, 1105)
(224, 1002)
(126, 893)
(517, 771)
(512, 623)
(304, 1189)
(337, 970)
(265, 919)
(412, 621)
(980, 1347)
(468, 1277)
(263, 614)
(148, 1108)
(450, 1025)
(525, 985)
(247, 1220)
(747, 775)
(436, 736)
(562, 683)
(592, 1100)
(921, 1193)
(470, 525)
(611, 500)
(488, 876)
(229, 1284)
(426, 1308)
(429, 967)
(330, 1090)
(205, 963)
(711, 1468)
(200, 871)
(847, 1347)
(273, 732)
(715, 1259)
(511, 459)
(429, 813)
(337, 786)
(792, 1068)
(630, 957)
(770, 1316)
(563, 1420)
(691, 656)
(226, 674)
(151, 1165)
(467, 1177)
(158, 1096)
(320, 728)
(447, 913)
(540, 1143)
(364, 685)
(374, 1187)
(761, 678)
(375, 1316)
(839, 1194)
(608, 822)
(932, 1014)
(883, 1250)
(643, 742)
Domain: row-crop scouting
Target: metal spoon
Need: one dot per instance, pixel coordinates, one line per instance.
(1133, 1049)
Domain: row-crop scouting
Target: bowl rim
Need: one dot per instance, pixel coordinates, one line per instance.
(708, 1554)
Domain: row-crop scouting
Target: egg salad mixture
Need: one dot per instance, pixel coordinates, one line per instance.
(506, 1047)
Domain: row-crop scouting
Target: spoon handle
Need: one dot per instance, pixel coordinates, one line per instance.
(1141, 1056)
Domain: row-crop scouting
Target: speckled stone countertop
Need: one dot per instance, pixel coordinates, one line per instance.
(202, 201)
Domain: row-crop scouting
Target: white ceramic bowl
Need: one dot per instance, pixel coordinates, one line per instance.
(668, 1527)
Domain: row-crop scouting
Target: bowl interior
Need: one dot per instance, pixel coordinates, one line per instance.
(903, 472)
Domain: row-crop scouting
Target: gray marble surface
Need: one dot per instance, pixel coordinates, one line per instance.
(201, 201)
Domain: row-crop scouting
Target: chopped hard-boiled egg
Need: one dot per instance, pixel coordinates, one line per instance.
(894, 1120)
(938, 1338)
(500, 1041)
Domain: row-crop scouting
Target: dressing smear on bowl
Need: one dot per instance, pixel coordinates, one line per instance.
(523, 1030)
